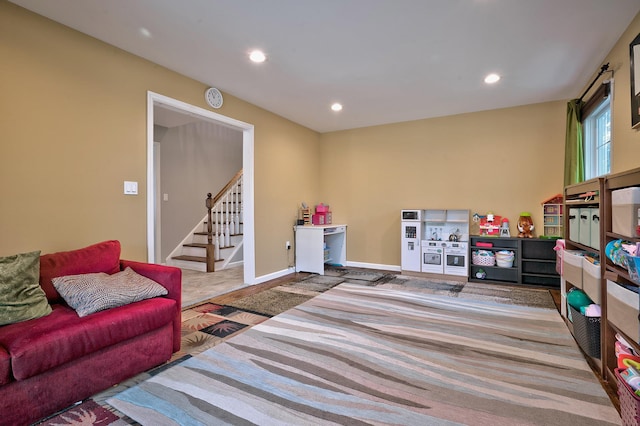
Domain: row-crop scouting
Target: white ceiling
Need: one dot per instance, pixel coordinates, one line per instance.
(385, 60)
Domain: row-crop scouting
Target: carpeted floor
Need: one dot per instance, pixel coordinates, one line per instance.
(384, 355)
(209, 324)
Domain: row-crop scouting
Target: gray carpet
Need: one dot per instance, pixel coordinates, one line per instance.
(282, 298)
(370, 355)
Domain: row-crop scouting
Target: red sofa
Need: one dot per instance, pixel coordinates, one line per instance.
(49, 363)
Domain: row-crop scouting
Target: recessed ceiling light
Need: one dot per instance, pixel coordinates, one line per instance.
(257, 56)
(336, 107)
(492, 78)
(145, 32)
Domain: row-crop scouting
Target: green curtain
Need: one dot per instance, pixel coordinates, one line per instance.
(574, 147)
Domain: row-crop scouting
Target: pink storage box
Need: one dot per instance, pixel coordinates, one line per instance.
(317, 219)
(321, 208)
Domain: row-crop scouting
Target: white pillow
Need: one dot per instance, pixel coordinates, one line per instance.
(89, 293)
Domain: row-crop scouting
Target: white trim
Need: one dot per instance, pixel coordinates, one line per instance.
(394, 268)
(248, 229)
(157, 155)
(247, 166)
(272, 276)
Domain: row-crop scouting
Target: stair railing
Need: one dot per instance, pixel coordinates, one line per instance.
(223, 219)
(211, 262)
(223, 210)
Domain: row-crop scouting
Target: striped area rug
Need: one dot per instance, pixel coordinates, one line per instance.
(359, 355)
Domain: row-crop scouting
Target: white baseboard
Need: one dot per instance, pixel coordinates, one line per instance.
(272, 276)
(395, 268)
(264, 278)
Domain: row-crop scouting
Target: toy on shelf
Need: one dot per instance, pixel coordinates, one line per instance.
(304, 214)
(552, 217)
(525, 225)
(490, 225)
(474, 228)
(504, 228)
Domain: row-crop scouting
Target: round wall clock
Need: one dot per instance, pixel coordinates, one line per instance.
(213, 97)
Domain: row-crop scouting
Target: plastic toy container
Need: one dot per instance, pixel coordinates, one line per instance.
(625, 208)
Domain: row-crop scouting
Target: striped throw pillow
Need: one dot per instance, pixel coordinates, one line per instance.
(89, 293)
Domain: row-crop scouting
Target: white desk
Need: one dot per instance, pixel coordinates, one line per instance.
(311, 254)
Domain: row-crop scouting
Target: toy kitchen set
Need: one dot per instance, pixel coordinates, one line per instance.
(435, 242)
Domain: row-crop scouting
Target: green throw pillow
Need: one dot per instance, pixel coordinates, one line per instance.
(21, 297)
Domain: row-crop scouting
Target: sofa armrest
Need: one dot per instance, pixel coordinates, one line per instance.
(170, 278)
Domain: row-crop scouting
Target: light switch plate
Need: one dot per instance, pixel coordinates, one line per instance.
(130, 188)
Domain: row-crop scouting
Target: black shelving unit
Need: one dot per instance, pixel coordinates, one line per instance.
(538, 262)
(495, 273)
(534, 262)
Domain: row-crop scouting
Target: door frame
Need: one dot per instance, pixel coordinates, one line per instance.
(247, 130)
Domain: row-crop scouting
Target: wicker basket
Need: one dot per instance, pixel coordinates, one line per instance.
(483, 258)
(586, 331)
(504, 258)
(629, 402)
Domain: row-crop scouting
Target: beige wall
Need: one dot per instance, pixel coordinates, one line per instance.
(626, 141)
(74, 128)
(73, 113)
(505, 161)
(195, 159)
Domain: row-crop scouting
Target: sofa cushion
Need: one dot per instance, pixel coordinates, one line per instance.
(90, 293)
(21, 297)
(101, 257)
(38, 345)
(5, 367)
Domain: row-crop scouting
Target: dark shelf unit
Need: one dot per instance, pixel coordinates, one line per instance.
(538, 262)
(534, 262)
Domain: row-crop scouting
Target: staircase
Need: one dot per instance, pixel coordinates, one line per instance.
(215, 243)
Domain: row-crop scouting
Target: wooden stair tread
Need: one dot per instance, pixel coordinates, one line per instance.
(201, 245)
(205, 233)
(200, 259)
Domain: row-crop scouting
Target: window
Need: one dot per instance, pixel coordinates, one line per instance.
(596, 125)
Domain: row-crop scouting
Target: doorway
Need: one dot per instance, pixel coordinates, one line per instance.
(157, 100)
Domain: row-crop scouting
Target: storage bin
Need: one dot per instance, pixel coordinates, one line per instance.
(317, 219)
(625, 214)
(594, 222)
(586, 331)
(328, 218)
(591, 280)
(504, 259)
(574, 224)
(483, 258)
(584, 233)
(622, 309)
(629, 402)
(572, 266)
